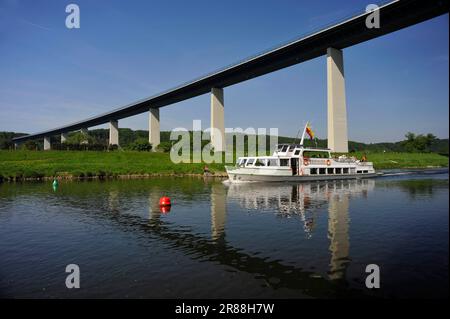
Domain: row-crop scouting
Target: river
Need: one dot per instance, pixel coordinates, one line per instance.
(227, 241)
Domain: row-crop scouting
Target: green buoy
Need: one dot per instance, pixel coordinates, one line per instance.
(55, 184)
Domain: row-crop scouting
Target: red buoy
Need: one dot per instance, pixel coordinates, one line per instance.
(164, 209)
(164, 201)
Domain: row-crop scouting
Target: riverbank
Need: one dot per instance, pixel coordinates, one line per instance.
(38, 165)
(31, 165)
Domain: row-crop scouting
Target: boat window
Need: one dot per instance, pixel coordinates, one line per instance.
(242, 162)
(359, 172)
(260, 162)
(291, 148)
(330, 170)
(250, 161)
(279, 147)
(338, 170)
(297, 152)
(365, 171)
(322, 171)
(285, 148)
(313, 171)
(272, 162)
(345, 170)
(284, 162)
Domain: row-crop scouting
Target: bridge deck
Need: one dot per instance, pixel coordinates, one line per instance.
(394, 15)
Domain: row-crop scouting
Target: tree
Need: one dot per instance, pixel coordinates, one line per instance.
(80, 138)
(30, 146)
(164, 147)
(418, 143)
(141, 145)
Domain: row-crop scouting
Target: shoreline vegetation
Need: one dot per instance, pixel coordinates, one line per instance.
(79, 165)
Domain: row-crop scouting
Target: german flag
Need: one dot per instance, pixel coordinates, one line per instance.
(310, 132)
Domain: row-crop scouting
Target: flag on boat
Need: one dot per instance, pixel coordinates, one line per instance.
(310, 132)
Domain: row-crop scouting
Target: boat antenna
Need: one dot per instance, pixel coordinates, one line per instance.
(303, 135)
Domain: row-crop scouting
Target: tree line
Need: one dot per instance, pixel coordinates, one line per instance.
(138, 140)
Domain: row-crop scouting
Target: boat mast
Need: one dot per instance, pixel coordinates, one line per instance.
(303, 135)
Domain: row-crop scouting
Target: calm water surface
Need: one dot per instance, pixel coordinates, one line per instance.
(248, 240)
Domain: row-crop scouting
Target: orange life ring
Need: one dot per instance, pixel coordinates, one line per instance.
(306, 161)
(328, 162)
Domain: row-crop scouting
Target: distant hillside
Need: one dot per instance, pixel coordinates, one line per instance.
(127, 136)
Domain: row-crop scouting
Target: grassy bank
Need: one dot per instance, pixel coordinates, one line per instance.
(404, 160)
(38, 164)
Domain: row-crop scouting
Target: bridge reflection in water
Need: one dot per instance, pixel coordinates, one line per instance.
(218, 241)
(286, 200)
(304, 200)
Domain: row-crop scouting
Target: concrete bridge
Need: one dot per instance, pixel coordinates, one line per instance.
(330, 41)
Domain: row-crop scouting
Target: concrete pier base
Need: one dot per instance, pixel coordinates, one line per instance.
(47, 143)
(153, 128)
(217, 120)
(337, 107)
(113, 132)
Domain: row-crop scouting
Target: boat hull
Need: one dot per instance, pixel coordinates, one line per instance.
(239, 177)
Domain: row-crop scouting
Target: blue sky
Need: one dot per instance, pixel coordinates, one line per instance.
(128, 50)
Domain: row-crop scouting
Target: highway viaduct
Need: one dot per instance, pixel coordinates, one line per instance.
(330, 41)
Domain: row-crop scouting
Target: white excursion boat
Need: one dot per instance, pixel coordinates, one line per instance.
(295, 162)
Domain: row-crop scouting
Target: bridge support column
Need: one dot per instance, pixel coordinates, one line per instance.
(217, 120)
(64, 137)
(114, 132)
(47, 144)
(16, 145)
(85, 131)
(218, 211)
(337, 108)
(153, 128)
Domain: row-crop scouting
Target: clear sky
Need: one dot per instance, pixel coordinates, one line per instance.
(128, 50)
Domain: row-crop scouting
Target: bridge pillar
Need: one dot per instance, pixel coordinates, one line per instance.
(338, 233)
(16, 145)
(153, 128)
(47, 144)
(64, 137)
(114, 132)
(217, 120)
(337, 108)
(218, 211)
(85, 131)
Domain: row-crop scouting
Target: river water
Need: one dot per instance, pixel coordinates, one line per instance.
(217, 241)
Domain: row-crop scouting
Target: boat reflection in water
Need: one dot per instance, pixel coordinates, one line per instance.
(305, 200)
(255, 240)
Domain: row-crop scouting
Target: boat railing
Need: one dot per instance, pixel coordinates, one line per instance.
(317, 161)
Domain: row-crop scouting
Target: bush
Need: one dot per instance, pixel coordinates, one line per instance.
(78, 174)
(141, 145)
(113, 147)
(29, 145)
(164, 147)
(79, 147)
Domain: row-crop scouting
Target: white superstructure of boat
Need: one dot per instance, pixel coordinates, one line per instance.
(295, 162)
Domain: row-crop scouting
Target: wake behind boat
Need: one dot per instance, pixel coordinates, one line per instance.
(295, 162)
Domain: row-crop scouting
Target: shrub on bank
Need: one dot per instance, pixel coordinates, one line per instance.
(141, 145)
(164, 147)
(81, 147)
